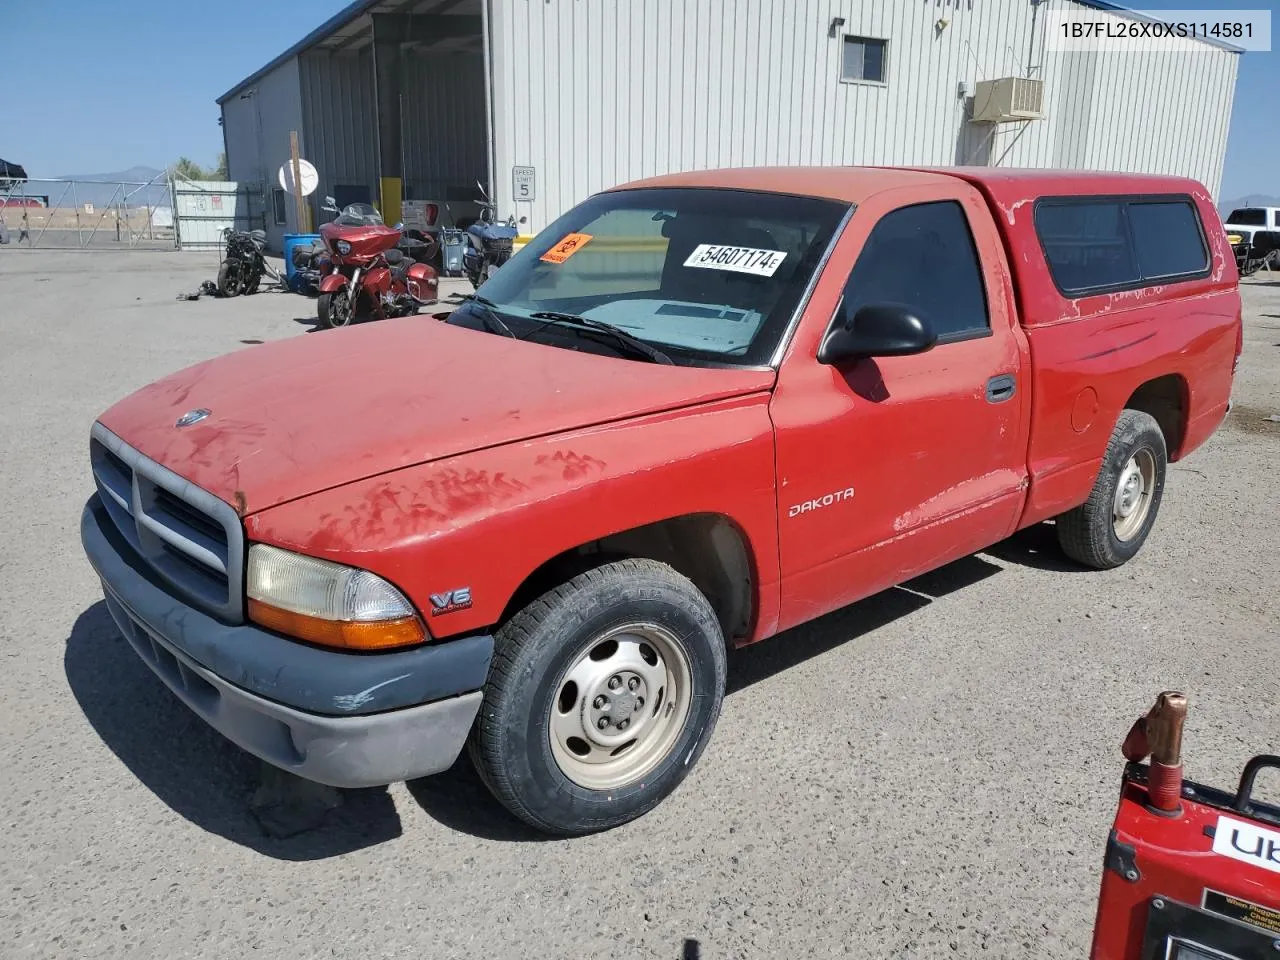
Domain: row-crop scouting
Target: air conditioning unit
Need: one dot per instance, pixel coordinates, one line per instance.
(1008, 99)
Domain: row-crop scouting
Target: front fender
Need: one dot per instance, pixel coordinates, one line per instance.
(485, 521)
(332, 282)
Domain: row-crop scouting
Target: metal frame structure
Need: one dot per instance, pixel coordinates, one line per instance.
(58, 218)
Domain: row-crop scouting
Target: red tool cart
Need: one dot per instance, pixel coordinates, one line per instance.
(1191, 872)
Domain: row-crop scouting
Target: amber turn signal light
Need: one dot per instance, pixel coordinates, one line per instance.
(344, 634)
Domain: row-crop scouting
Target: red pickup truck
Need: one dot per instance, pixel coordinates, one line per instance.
(695, 411)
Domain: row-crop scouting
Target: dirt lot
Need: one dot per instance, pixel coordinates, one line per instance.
(928, 773)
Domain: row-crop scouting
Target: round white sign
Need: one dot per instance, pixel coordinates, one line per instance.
(310, 179)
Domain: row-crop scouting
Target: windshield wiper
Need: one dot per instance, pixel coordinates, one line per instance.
(488, 316)
(618, 334)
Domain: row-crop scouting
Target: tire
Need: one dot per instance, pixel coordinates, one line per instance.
(333, 310)
(1100, 533)
(229, 284)
(596, 646)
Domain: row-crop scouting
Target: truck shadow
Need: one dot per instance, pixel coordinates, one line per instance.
(1037, 547)
(200, 775)
(760, 661)
(459, 800)
(209, 781)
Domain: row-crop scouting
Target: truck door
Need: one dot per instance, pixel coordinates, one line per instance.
(889, 467)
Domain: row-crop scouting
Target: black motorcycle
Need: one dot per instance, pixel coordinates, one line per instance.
(310, 263)
(243, 264)
(1263, 250)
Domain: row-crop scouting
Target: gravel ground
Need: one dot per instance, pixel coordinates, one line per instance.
(929, 773)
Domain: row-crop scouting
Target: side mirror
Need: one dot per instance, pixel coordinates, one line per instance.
(877, 330)
(330, 204)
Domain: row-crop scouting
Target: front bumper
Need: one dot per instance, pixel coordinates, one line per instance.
(348, 720)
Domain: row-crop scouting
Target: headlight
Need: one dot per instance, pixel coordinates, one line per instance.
(327, 603)
(342, 247)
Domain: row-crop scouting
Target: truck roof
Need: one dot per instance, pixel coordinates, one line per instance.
(1002, 185)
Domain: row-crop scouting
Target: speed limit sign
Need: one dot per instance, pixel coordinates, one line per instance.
(522, 183)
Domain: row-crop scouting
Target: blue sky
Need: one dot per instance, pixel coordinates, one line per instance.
(93, 86)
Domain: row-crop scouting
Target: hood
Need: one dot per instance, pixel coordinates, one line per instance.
(312, 412)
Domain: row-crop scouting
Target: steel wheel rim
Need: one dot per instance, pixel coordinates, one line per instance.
(340, 309)
(620, 707)
(1134, 490)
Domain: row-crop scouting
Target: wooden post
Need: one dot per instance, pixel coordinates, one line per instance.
(304, 222)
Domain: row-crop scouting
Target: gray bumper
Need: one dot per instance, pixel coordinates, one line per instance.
(347, 745)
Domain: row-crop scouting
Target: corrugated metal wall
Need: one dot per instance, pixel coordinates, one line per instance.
(341, 132)
(443, 116)
(597, 93)
(257, 124)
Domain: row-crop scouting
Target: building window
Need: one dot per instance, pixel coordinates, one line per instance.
(863, 60)
(281, 209)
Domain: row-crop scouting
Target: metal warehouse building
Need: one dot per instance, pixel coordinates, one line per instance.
(548, 101)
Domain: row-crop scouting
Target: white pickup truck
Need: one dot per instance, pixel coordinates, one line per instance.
(1246, 221)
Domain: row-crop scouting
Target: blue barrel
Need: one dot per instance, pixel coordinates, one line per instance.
(292, 240)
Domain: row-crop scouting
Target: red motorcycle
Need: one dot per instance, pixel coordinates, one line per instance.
(373, 275)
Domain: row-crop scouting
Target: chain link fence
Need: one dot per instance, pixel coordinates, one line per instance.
(89, 214)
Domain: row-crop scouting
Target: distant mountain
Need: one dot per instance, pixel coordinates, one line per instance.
(1253, 200)
(140, 174)
(104, 190)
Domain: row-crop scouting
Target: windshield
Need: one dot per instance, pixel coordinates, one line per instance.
(704, 275)
(359, 215)
(1248, 217)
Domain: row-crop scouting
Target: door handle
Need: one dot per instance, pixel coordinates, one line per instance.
(1001, 388)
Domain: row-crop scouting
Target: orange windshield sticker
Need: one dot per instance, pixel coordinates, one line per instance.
(566, 248)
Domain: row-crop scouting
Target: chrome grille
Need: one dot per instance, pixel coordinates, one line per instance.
(187, 535)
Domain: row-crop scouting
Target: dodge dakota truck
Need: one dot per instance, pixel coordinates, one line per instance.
(693, 412)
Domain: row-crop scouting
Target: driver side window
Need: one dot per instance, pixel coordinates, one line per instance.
(923, 256)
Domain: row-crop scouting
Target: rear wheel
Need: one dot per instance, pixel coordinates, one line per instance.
(230, 283)
(601, 695)
(334, 309)
(1110, 527)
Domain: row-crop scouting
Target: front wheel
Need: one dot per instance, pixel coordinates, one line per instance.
(602, 694)
(230, 283)
(1111, 526)
(334, 309)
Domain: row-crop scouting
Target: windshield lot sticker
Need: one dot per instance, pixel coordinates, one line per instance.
(713, 256)
(566, 248)
(1247, 843)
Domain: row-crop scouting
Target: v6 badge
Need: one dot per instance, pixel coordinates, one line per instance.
(450, 600)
